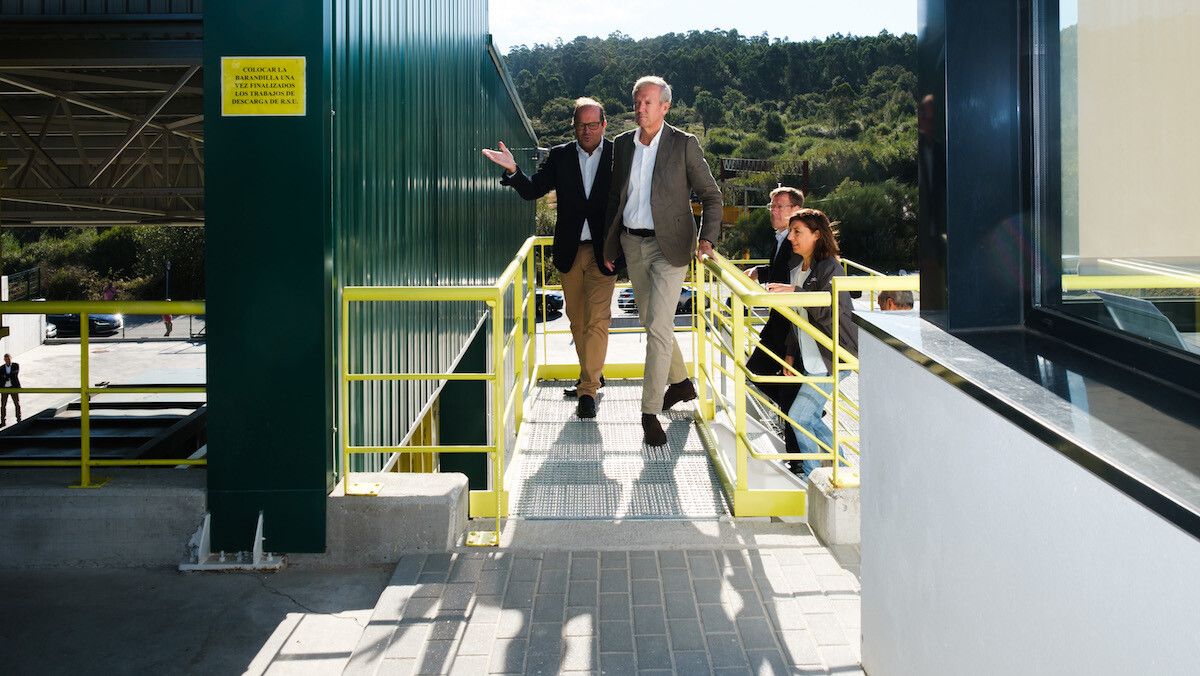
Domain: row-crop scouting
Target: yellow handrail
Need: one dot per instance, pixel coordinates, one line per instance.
(85, 309)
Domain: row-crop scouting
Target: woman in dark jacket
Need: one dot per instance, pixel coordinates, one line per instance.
(815, 243)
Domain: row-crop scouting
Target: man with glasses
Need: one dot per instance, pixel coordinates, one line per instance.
(580, 172)
(656, 168)
(785, 201)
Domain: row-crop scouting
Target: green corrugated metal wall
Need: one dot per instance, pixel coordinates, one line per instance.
(381, 183)
(417, 95)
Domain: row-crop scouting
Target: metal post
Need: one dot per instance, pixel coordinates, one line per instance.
(343, 373)
(518, 347)
(530, 323)
(85, 427)
(739, 394)
(498, 405)
(837, 391)
(701, 349)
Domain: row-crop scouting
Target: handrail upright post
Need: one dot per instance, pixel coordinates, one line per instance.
(498, 404)
(530, 315)
(837, 384)
(701, 329)
(518, 347)
(344, 371)
(739, 394)
(85, 423)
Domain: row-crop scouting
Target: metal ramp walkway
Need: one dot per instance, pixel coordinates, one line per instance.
(567, 468)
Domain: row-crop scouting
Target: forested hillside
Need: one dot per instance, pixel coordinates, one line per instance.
(845, 104)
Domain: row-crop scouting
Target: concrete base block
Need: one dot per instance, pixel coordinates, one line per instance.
(142, 517)
(834, 514)
(412, 513)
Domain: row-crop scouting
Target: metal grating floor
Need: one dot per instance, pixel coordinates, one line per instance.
(569, 468)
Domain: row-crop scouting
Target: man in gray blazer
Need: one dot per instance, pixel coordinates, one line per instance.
(656, 168)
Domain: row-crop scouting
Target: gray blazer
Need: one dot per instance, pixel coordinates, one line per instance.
(679, 170)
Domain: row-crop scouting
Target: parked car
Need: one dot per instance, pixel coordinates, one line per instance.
(51, 330)
(98, 324)
(626, 301)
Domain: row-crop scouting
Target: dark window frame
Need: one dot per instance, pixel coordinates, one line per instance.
(1042, 172)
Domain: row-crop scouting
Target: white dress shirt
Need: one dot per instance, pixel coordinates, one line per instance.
(780, 237)
(588, 165)
(637, 215)
(812, 363)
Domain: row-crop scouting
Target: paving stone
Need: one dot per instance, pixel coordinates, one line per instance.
(843, 583)
(671, 559)
(732, 558)
(799, 647)
(613, 560)
(767, 663)
(733, 671)
(676, 580)
(707, 591)
(740, 579)
(823, 563)
(469, 665)
(513, 623)
(756, 633)
(616, 637)
(543, 658)
(840, 659)
(407, 569)
(549, 608)
(498, 561)
(848, 611)
(685, 635)
(618, 664)
(519, 594)
(725, 651)
(680, 605)
(716, 619)
(653, 652)
(691, 663)
(477, 638)
(614, 580)
(436, 657)
(508, 657)
(747, 604)
(649, 620)
(555, 561)
(552, 582)
(825, 629)
(486, 609)
(466, 570)
(579, 653)
(491, 582)
(647, 593)
(544, 631)
(408, 640)
(420, 608)
(580, 624)
(400, 667)
(614, 607)
(437, 563)
(458, 596)
(584, 568)
(582, 593)
(643, 569)
(801, 579)
(703, 568)
(447, 626)
(785, 614)
(524, 570)
(585, 555)
(428, 590)
(814, 602)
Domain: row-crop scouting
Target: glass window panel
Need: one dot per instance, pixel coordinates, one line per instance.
(1129, 164)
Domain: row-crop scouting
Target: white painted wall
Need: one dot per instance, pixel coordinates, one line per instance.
(984, 551)
(26, 333)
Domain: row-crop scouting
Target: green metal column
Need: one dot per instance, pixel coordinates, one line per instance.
(270, 351)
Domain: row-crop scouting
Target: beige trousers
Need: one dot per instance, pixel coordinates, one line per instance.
(588, 297)
(656, 288)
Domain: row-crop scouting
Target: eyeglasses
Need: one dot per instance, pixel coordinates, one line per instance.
(589, 126)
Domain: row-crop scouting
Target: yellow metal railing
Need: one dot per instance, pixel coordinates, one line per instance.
(725, 331)
(84, 309)
(507, 400)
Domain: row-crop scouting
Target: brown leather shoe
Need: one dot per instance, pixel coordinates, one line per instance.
(653, 431)
(683, 390)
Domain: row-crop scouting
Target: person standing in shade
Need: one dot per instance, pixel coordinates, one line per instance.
(580, 172)
(10, 376)
(785, 201)
(891, 301)
(656, 168)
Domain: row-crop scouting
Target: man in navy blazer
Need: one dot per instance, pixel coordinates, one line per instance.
(10, 376)
(581, 173)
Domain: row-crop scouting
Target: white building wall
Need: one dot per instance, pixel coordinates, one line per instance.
(985, 551)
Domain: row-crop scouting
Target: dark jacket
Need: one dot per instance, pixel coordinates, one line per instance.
(774, 333)
(560, 172)
(822, 317)
(16, 377)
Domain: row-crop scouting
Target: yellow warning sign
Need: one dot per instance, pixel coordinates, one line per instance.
(262, 85)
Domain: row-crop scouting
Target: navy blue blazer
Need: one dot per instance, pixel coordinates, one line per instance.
(560, 172)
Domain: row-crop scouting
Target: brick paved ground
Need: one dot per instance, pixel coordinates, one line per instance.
(723, 611)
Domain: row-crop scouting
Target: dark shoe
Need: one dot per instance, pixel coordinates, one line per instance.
(573, 391)
(586, 407)
(683, 390)
(653, 431)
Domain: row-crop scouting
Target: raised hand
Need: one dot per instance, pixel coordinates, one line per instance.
(502, 157)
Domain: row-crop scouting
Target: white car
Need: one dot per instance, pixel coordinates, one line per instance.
(51, 330)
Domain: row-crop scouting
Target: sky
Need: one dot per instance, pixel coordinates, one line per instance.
(529, 22)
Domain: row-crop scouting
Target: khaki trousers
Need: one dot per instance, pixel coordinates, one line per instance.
(588, 297)
(656, 287)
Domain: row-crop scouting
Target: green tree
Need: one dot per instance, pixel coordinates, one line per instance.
(709, 108)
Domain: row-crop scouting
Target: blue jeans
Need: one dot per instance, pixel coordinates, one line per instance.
(806, 410)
